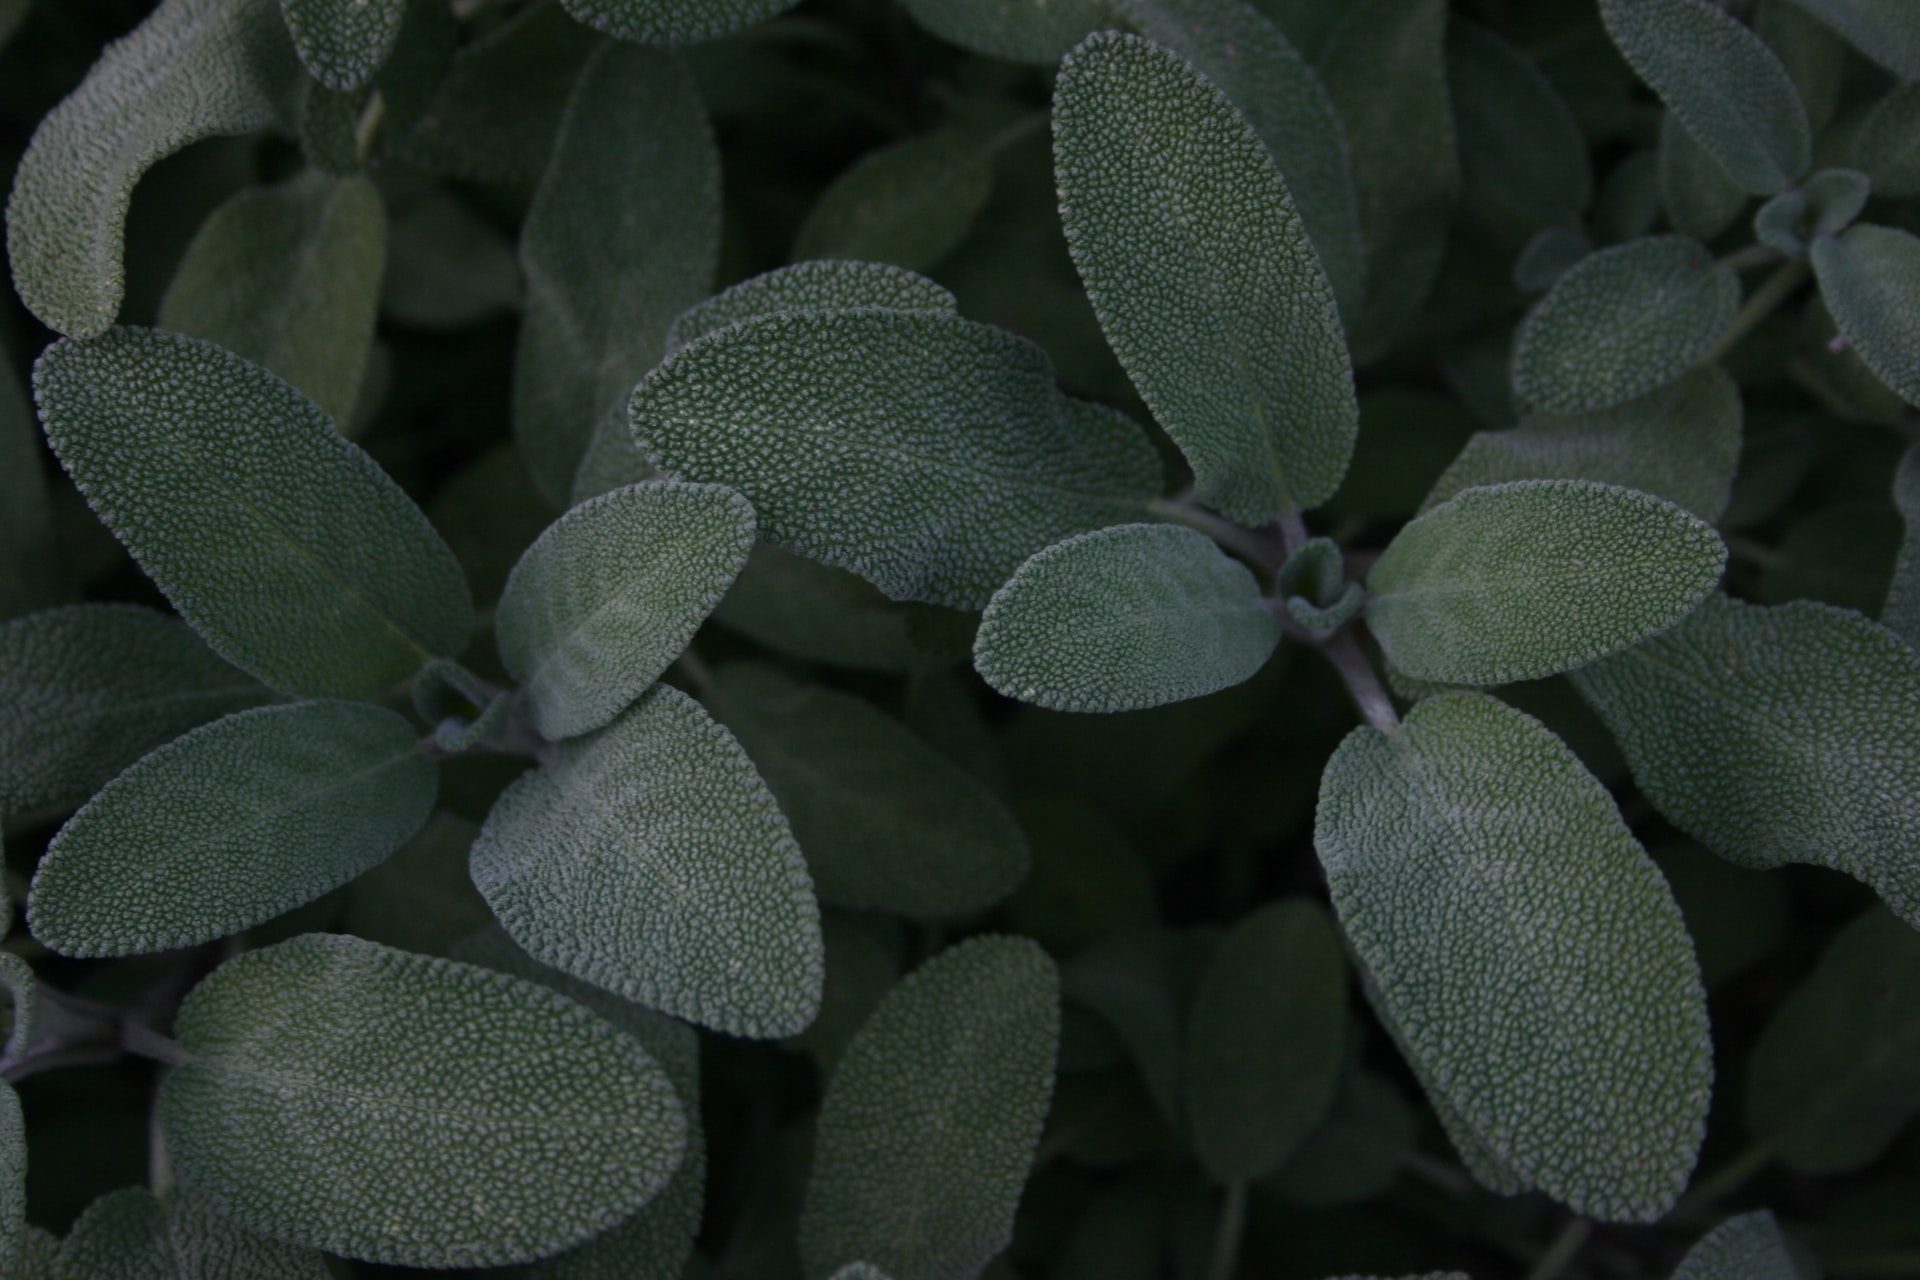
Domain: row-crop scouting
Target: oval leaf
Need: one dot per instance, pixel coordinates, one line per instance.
(908, 204)
(343, 42)
(1520, 145)
(814, 611)
(674, 21)
(1749, 1247)
(1887, 146)
(831, 285)
(1888, 31)
(1870, 278)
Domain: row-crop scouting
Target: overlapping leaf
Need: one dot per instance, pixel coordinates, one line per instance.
(674, 22)
(129, 1234)
(1888, 31)
(343, 42)
(1870, 278)
(830, 285)
(1901, 612)
(1519, 143)
(908, 204)
(1701, 200)
(1021, 30)
(814, 611)
(1747, 1247)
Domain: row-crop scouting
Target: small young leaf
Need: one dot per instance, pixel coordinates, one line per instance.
(1265, 1039)
(1887, 145)
(1123, 618)
(1901, 612)
(931, 1120)
(610, 595)
(1626, 321)
(194, 69)
(1519, 143)
(831, 285)
(551, 1124)
(1203, 277)
(1776, 735)
(31, 570)
(231, 825)
(1525, 579)
(1020, 30)
(343, 42)
(1723, 82)
(1701, 200)
(650, 860)
(1888, 31)
(289, 278)
(908, 204)
(88, 689)
(1747, 1247)
(1525, 951)
(1870, 278)
(884, 819)
(286, 547)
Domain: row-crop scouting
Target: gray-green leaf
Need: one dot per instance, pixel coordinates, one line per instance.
(1887, 145)
(1524, 949)
(674, 22)
(1748, 1247)
(32, 575)
(1901, 612)
(1870, 278)
(907, 204)
(814, 611)
(129, 1235)
(13, 1179)
(1701, 200)
(1021, 30)
(1519, 143)
(1888, 31)
(343, 42)
(830, 285)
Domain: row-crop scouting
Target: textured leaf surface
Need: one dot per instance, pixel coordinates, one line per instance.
(129, 1235)
(1776, 735)
(1519, 143)
(930, 1123)
(13, 1180)
(1123, 618)
(485, 1119)
(1887, 146)
(673, 22)
(1888, 31)
(1901, 612)
(1701, 200)
(1723, 82)
(1265, 1039)
(621, 238)
(1525, 950)
(1681, 443)
(651, 861)
(1021, 30)
(907, 204)
(1748, 1247)
(1203, 277)
(814, 611)
(1623, 322)
(1870, 278)
(612, 592)
(927, 453)
(343, 42)
(31, 569)
(831, 285)
(1521, 580)
(884, 819)
(289, 277)
(231, 825)
(285, 546)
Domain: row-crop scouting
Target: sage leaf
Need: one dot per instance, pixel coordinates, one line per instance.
(1723, 82)
(231, 825)
(830, 284)
(88, 689)
(1522, 580)
(13, 1179)
(674, 22)
(650, 860)
(421, 899)
(123, 1233)
(1203, 277)
(1701, 200)
(1136, 983)
(908, 204)
(1901, 612)
(1747, 1247)
(860, 1271)
(865, 439)
(1887, 31)
(289, 278)
(343, 42)
(31, 568)
(814, 611)
(1777, 735)
(932, 1117)
(1520, 145)
(194, 69)
(1265, 1039)
(622, 237)
(611, 593)
(1019, 30)
(1123, 618)
(1623, 322)
(447, 267)
(1524, 949)
(884, 819)
(1870, 277)
(1354, 1153)
(562, 1128)
(129, 1235)
(1887, 145)
(1681, 443)
(285, 546)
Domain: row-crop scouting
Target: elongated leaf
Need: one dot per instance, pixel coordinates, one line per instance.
(1524, 949)
(1519, 143)
(194, 69)
(884, 819)
(1521, 580)
(1887, 146)
(869, 439)
(1203, 277)
(1124, 618)
(1681, 443)
(622, 237)
(1870, 278)
(1701, 200)
(1888, 31)
(31, 569)
(832, 285)
(673, 22)
(1626, 321)
(1022, 30)
(232, 825)
(289, 278)
(1776, 735)
(610, 595)
(1747, 1247)
(908, 204)
(295, 556)
(560, 1128)
(343, 42)
(1901, 613)
(650, 860)
(931, 1120)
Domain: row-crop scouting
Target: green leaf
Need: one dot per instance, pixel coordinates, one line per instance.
(831, 285)
(860, 1271)
(1629, 200)
(1681, 443)
(622, 237)
(1265, 1039)
(611, 593)
(231, 825)
(1701, 200)
(1888, 31)
(813, 611)
(1901, 613)
(1887, 145)
(88, 689)
(1522, 580)
(1519, 143)
(1355, 1153)
(1210, 294)
(447, 267)
(13, 1180)
(1870, 278)
(908, 204)
(1747, 1247)
(1777, 735)
(129, 1235)
(869, 439)
(285, 546)
(1137, 984)
(884, 819)
(194, 69)
(343, 42)
(1087, 881)
(32, 574)
(420, 899)
(1723, 82)
(932, 1118)
(289, 278)
(674, 22)
(1825, 206)
(650, 860)
(1123, 618)
(1813, 55)
(861, 969)
(123, 1233)
(1021, 30)
(550, 1124)
(1525, 951)
(1841, 555)
(1623, 322)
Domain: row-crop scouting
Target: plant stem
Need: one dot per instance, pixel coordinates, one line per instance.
(1357, 673)
(1225, 1260)
(1765, 301)
(1436, 1172)
(1251, 544)
(143, 1040)
(1561, 1251)
(1754, 255)
(367, 128)
(1724, 1180)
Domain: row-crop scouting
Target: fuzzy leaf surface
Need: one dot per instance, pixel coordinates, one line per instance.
(814, 611)
(1870, 279)
(1701, 200)
(1888, 31)
(1519, 142)
(343, 42)
(832, 284)
(1019, 30)
(1747, 1247)
(674, 22)
(907, 204)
